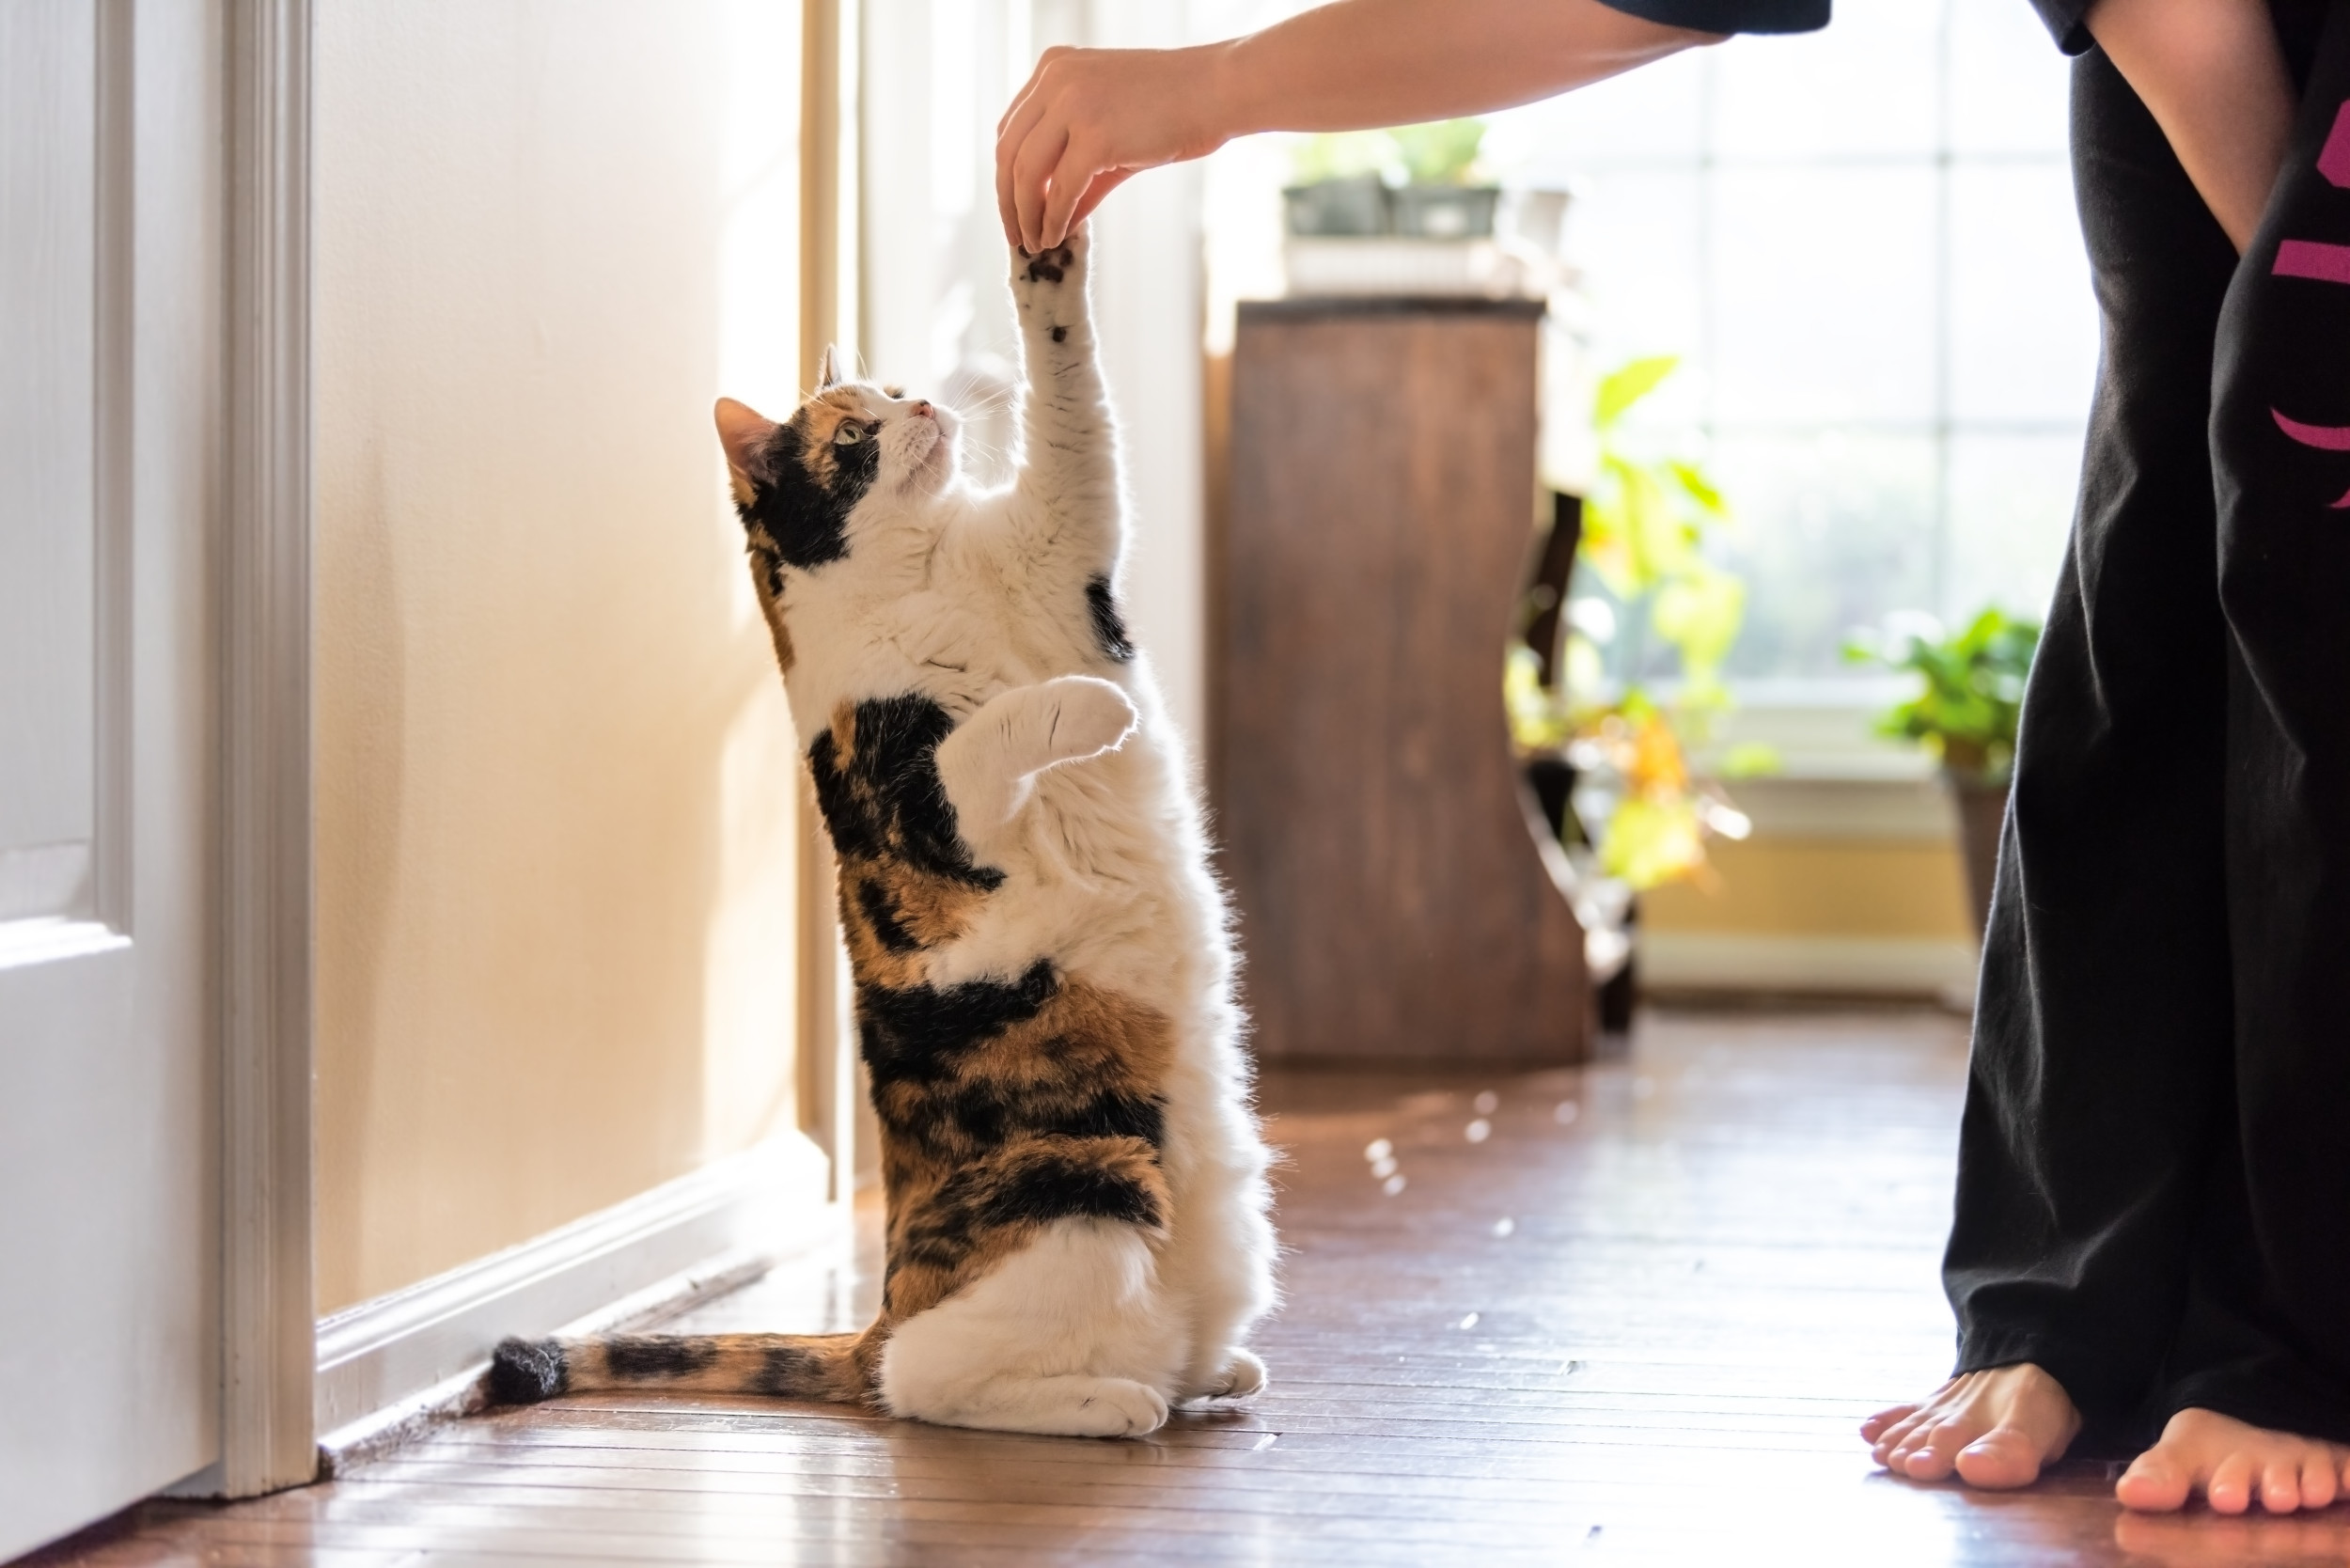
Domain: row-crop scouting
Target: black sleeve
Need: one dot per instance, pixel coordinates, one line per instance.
(2063, 18)
(1733, 16)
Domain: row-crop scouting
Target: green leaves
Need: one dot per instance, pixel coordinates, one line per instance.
(1644, 529)
(1627, 384)
(1971, 686)
(1442, 152)
(1699, 612)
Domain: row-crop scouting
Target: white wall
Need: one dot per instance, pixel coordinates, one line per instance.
(556, 774)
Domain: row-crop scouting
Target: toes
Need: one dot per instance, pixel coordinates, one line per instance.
(1896, 1438)
(2002, 1458)
(2280, 1483)
(1876, 1426)
(2319, 1483)
(2230, 1488)
(1933, 1455)
(2154, 1484)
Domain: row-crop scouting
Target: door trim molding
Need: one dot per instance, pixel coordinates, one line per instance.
(402, 1360)
(830, 236)
(268, 1330)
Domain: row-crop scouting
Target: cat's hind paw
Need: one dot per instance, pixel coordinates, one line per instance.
(1109, 1407)
(1244, 1374)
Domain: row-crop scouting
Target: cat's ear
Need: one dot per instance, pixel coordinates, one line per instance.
(745, 432)
(830, 372)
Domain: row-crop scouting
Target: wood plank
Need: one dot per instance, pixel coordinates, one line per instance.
(1706, 1284)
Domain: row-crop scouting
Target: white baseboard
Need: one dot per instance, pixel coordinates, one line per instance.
(1868, 965)
(387, 1364)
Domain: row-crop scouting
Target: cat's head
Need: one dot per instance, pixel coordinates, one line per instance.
(852, 449)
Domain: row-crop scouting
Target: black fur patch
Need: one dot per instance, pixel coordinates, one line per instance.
(1109, 627)
(1060, 335)
(1053, 1187)
(886, 801)
(805, 519)
(1053, 1181)
(882, 914)
(523, 1372)
(790, 1374)
(650, 1356)
(919, 1033)
(988, 1114)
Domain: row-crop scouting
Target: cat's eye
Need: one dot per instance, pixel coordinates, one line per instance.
(847, 435)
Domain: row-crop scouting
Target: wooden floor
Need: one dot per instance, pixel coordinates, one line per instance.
(1629, 1314)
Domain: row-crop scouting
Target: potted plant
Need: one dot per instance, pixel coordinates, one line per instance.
(1638, 819)
(1419, 180)
(1970, 691)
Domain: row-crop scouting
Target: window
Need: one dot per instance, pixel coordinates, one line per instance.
(1862, 243)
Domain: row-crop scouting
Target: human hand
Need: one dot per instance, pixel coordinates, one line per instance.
(1088, 120)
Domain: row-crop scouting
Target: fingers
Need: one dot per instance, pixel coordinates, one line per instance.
(1071, 177)
(1012, 144)
(1104, 184)
(1028, 88)
(1040, 154)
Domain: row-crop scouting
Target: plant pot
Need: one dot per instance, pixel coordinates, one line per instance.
(1350, 208)
(1444, 211)
(1981, 810)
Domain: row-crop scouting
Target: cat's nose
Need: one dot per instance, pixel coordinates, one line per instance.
(924, 411)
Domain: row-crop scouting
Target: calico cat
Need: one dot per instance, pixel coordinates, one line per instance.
(1077, 1231)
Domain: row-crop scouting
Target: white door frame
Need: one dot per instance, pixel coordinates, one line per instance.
(268, 1305)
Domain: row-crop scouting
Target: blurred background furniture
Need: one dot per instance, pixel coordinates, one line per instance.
(1394, 888)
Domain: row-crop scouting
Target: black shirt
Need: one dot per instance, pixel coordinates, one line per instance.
(1734, 16)
(2063, 18)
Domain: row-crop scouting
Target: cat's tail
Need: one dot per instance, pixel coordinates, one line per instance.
(822, 1367)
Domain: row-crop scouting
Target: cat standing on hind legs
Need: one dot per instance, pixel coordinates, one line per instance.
(1078, 1232)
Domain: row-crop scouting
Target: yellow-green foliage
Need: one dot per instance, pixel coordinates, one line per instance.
(1442, 152)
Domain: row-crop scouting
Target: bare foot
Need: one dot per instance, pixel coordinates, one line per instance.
(1995, 1429)
(2229, 1463)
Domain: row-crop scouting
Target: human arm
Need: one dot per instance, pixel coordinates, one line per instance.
(1091, 119)
(2213, 75)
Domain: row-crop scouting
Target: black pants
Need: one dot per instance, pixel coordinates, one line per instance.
(2153, 1192)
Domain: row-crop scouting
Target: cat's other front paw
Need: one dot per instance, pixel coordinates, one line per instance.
(1085, 717)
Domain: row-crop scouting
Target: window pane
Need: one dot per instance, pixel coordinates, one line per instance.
(1824, 295)
(1646, 116)
(2023, 324)
(1833, 530)
(1635, 235)
(2010, 508)
(2008, 81)
(1869, 87)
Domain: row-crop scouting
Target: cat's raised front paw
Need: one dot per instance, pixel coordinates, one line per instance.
(1048, 268)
